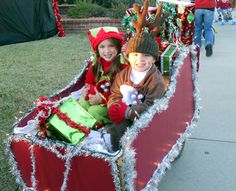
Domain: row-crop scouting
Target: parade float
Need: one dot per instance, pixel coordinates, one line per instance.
(149, 146)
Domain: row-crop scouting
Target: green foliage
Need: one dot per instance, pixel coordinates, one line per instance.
(66, 1)
(100, 8)
(82, 1)
(85, 9)
(119, 7)
(70, 1)
(61, 1)
(103, 3)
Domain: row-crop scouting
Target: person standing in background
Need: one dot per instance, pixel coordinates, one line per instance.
(204, 16)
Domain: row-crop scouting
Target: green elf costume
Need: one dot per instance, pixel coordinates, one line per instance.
(103, 79)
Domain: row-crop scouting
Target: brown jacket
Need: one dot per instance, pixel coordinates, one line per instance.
(151, 87)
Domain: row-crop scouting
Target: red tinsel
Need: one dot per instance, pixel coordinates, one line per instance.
(61, 31)
(47, 107)
(69, 122)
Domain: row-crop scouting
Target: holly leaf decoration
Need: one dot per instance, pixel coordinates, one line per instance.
(190, 17)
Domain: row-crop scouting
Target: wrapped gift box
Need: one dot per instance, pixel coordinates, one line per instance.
(77, 114)
(167, 58)
(180, 23)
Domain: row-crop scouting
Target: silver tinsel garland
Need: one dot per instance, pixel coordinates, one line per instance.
(127, 153)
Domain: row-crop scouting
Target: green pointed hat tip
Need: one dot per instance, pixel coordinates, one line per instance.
(95, 31)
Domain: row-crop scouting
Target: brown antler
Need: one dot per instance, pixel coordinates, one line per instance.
(141, 22)
(156, 27)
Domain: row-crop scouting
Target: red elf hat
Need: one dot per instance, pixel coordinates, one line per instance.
(97, 35)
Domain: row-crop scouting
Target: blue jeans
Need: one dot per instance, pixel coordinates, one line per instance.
(203, 19)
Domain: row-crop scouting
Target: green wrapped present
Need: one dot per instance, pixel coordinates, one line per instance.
(76, 115)
(167, 58)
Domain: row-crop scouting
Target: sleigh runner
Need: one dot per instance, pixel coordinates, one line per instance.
(148, 147)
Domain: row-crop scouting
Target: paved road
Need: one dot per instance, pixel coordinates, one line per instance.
(208, 162)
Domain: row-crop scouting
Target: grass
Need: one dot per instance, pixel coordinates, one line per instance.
(32, 69)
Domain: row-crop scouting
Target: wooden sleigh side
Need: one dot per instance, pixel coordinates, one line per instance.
(148, 147)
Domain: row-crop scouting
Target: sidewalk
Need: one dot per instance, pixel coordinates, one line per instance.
(208, 161)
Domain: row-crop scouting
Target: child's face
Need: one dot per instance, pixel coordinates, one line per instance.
(107, 50)
(140, 62)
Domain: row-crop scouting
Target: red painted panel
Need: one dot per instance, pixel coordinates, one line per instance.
(21, 153)
(86, 174)
(89, 174)
(49, 169)
(155, 142)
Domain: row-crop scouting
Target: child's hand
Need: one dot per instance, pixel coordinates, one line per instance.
(117, 112)
(95, 99)
(85, 90)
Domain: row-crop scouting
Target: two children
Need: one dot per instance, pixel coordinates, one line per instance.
(136, 87)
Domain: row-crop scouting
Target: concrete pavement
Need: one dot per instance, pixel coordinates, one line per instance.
(208, 161)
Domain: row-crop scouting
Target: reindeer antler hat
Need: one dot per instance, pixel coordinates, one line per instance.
(144, 42)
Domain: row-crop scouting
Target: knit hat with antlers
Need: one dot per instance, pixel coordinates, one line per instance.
(144, 42)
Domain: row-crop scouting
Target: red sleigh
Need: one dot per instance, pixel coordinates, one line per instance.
(148, 147)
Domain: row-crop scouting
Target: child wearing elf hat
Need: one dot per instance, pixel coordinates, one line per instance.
(137, 86)
(106, 43)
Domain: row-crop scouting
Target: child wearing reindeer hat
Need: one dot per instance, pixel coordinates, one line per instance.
(106, 43)
(137, 86)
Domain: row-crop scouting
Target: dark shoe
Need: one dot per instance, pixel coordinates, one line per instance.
(209, 50)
